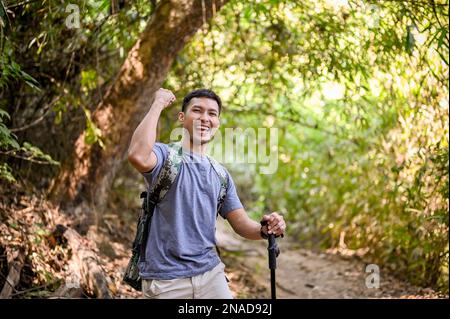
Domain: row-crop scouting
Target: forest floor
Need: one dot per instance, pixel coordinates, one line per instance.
(27, 225)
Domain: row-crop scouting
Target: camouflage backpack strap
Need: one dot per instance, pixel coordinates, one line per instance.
(155, 194)
(223, 176)
(168, 173)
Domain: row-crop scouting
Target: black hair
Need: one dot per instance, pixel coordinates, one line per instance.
(201, 93)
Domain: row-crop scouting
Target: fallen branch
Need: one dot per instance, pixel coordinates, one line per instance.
(15, 265)
(22, 292)
(85, 266)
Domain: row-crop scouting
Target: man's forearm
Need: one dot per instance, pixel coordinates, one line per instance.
(243, 225)
(144, 136)
(252, 230)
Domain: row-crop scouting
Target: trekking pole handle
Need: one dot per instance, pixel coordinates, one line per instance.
(273, 251)
(272, 248)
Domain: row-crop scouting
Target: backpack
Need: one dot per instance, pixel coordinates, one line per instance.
(155, 194)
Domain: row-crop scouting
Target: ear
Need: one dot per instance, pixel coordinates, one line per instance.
(181, 117)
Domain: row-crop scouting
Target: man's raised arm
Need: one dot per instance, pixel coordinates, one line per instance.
(140, 152)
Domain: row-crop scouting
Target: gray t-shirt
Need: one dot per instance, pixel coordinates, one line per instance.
(182, 232)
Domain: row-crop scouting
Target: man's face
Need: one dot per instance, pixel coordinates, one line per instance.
(201, 119)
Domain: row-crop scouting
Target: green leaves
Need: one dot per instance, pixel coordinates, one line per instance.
(35, 153)
(10, 70)
(355, 91)
(6, 138)
(92, 133)
(410, 41)
(88, 80)
(10, 147)
(358, 93)
(4, 19)
(6, 173)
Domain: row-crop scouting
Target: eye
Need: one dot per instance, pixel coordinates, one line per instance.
(213, 114)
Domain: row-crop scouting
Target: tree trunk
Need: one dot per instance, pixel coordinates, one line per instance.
(84, 182)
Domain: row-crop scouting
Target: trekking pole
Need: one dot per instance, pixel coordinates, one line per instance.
(273, 251)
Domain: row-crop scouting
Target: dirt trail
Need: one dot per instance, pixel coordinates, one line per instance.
(305, 274)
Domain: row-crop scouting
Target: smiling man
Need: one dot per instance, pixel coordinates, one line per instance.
(180, 258)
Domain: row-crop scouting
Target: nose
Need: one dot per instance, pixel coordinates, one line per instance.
(204, 116)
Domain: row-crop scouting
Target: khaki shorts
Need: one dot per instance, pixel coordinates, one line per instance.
(209, 285)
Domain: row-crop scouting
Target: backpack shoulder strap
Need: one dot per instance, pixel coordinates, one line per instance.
(223, 176)
(167, 175)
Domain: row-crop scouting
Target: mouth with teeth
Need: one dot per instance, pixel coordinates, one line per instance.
(203, 129)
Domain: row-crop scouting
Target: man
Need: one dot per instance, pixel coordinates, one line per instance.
(181, 261)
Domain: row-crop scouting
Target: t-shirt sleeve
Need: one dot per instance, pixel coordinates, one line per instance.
(162, 152)
(232, 200)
